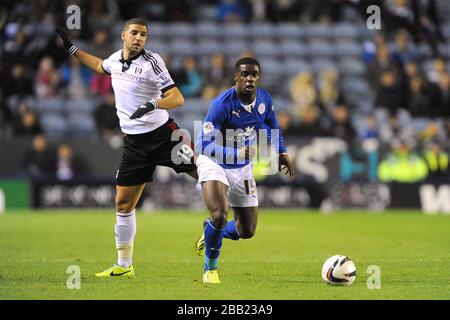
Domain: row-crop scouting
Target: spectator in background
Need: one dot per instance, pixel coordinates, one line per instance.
(100, 84)
(16, 45)
(431, 132)
(402, 164)
(412, 70)
(106, 118)
(19, 82)
(446, 129)
(392, 127)
(283, 10)
(101, 47)
(325, 11)
(68, 166)
(340, 124)
(437, 161)
(285, 122)
(399, 14)
(370, 130)
(370, 47)
(75, 78)
(428, 23)
(419, 98)
(48, 79)
(28, 125)
(101, 12)
(303, 93)
(443, 96)
(438, 70)
(389, 94)
(101, 43)
(310, 124)
(258, 10)
(192, 84)
(402, 50)
(216, 77)
(382, 62)
(232, 11)
(39, 161)
(330, 93)
(180, 10)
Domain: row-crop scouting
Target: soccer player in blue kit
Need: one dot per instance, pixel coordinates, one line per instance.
(227, 146)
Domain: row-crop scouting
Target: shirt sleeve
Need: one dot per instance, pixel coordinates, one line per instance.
(106, 65)
(274, 135)
(206, 143)
(163, 78)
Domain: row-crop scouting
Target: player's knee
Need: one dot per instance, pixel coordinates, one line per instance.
(247, 234)
(219, 218)
(123, 205)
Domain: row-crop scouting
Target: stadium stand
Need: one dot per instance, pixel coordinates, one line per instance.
(285, 48)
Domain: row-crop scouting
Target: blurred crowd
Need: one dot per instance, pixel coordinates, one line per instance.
(410, 97)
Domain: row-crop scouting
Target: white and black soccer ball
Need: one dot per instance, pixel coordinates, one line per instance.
(339, 270)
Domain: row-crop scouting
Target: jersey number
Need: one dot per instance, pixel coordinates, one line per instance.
(186, 153)
(250, 187)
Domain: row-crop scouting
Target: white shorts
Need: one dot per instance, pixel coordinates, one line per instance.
(241, 183)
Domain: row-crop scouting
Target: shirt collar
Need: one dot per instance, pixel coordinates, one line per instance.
(133, 58)
(249, 107)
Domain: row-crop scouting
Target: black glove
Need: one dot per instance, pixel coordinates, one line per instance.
(147, 107)
(68, 43)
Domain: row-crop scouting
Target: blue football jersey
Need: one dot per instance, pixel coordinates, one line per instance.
(230, 125)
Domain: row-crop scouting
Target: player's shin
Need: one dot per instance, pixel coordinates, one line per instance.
(125, 232)
(213, 244)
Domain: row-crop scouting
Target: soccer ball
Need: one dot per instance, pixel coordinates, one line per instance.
(339, 270)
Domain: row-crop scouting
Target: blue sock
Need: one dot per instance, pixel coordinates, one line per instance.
(213, 243)
(230, 231)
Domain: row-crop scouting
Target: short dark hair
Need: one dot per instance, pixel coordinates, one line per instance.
(135, 21)
(246, 60)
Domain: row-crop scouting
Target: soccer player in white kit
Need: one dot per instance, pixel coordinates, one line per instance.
(144, 91)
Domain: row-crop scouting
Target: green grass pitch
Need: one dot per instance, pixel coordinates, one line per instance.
(282, 262)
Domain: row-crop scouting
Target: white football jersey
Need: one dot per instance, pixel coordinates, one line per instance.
(136, 81)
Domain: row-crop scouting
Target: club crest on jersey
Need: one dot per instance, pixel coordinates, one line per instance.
(236, 113)
(208, 127)
(261, 108)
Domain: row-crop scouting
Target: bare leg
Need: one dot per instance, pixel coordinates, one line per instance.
(246, 221)
(127, 197)
(215, 197)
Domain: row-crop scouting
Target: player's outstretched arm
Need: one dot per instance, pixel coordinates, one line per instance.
(85, 58)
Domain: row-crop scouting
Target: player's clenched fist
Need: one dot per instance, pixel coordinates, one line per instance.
(68, 43)
(147, 107)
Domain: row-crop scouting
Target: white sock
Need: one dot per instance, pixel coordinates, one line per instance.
(125, 232)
